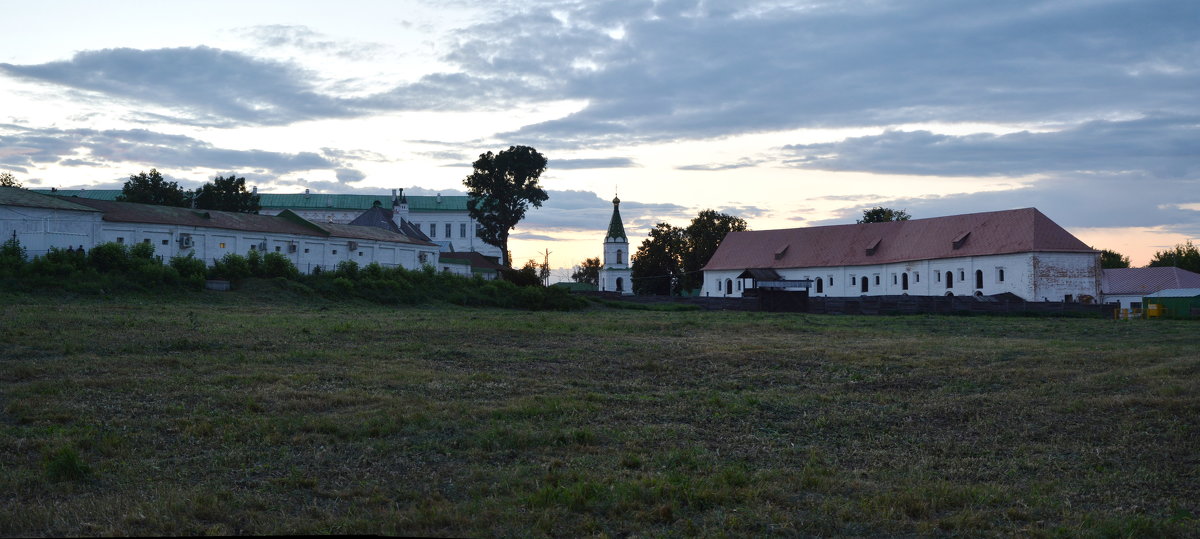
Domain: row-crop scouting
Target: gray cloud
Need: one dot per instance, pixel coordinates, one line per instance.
(305, 38)
(712, 167)
(1165, 145)
(606, 162)
(24, 146)
(585, 211)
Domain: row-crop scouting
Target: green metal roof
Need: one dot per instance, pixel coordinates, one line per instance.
(311, 201)
(615, 228)
(90, 194)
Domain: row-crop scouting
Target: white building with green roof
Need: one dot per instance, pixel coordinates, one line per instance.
(614, 269)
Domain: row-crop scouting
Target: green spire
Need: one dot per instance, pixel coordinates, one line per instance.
(615, 228)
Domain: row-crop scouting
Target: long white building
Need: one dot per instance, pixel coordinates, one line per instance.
(1021, 252)
(40, 222)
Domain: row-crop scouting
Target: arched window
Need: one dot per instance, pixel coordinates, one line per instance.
(978, 278)
(904, 281)
(620, 284)
(728, 286)
(949, 279)
(619, 255)
(864, 284)
(1000, 276)
(820, 285)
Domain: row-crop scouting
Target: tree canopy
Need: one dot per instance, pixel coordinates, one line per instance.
(153, 189)
(1183, 256)
(669, 261)
(883, 215)
(1113, 260)
(501, 189)
(659, 261)
(587, 272)
(8, 180)
(226, 194)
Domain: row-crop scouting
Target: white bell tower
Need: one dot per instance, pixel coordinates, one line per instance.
(614, 269)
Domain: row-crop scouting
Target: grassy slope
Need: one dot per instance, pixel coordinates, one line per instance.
(230, 414)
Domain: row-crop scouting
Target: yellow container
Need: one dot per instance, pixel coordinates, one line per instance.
(1153, 310)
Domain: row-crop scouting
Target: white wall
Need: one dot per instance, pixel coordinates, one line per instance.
(39, 229)
(1031, 276)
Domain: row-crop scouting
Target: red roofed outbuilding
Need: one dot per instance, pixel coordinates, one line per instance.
(1021, 252)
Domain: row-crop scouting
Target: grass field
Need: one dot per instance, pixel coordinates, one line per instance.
(232, 414)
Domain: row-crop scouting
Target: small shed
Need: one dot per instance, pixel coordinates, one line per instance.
(1179, 303)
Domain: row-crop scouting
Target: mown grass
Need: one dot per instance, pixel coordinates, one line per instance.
(255, 414)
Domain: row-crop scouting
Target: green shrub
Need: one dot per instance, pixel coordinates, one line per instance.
(109, 257)
(254, 261)
(278, 265)
(142, 251)
(189, 267)
(231, 267)
(347, 269)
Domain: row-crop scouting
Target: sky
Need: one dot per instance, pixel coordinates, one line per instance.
(786, 114)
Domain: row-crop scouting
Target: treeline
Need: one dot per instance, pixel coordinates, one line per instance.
(116, 268)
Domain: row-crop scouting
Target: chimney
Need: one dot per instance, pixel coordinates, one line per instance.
(305, 192)
(254, 190)
(439, 198)
(395, 199)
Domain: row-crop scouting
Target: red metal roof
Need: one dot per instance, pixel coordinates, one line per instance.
(1142, 281)
(972, 234)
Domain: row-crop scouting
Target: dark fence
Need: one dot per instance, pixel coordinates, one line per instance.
(781, 301)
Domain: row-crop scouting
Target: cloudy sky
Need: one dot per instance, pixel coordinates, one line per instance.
(785, 113)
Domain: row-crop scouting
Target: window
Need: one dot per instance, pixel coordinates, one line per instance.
(221, 245)
(165, 242)
(335, 251)
(864, 284)
(620, 254)
(978, 278)
(916, 276)
(122, 240)
(949, 279)
(252, 248)
(895, 279)
(728, 286)
(448, 235)
(939, 277)
(462, 230)
(305, 250)
(853, 280)
(360, 253)
(432, 230)
(278, 248)
(877, 279)
(147, 240)
(962, 275)
(1000, 275)
(820, 287)
(904, 281)
(830, 280)
(739, 285)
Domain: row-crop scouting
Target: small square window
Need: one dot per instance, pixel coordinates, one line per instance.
(120, 240)
(278, 248)
(221, 245)
(147, 240)
(164, 242)
(335, 251)
(360, 253)
(306, 250)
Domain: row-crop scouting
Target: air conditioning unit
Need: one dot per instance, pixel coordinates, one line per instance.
(353, 245)
(185, 241)
(292, 248)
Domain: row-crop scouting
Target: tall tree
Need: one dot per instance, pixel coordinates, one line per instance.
(226, 194)
(8, 180)
(883, 215)
(703, 236)
(587, 272)
(658, 263)
(501, 189)
(1113, 260)
(153, 189)
(1183, 256)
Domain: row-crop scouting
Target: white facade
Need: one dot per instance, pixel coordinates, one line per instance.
(1035, 276)
(39, 229)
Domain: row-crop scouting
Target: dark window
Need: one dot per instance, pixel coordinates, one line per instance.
(904, 281)
(830, 280)
(432, 230)
(147, 240)
(277, 248)
(619, 257)
(853, 280)
(864, 284)
(306, 251)
(448, 235)
(978, 278)
(166, 241)
(962, 275)
(462, 230)
(728, 286)
(876, 279)
(620, 284)
(120, 240)
(820, 287)
(949, 279)
(916, 276)
(335, 251)
(1000, 276)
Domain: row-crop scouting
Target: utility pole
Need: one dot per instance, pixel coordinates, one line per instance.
(545, 270)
